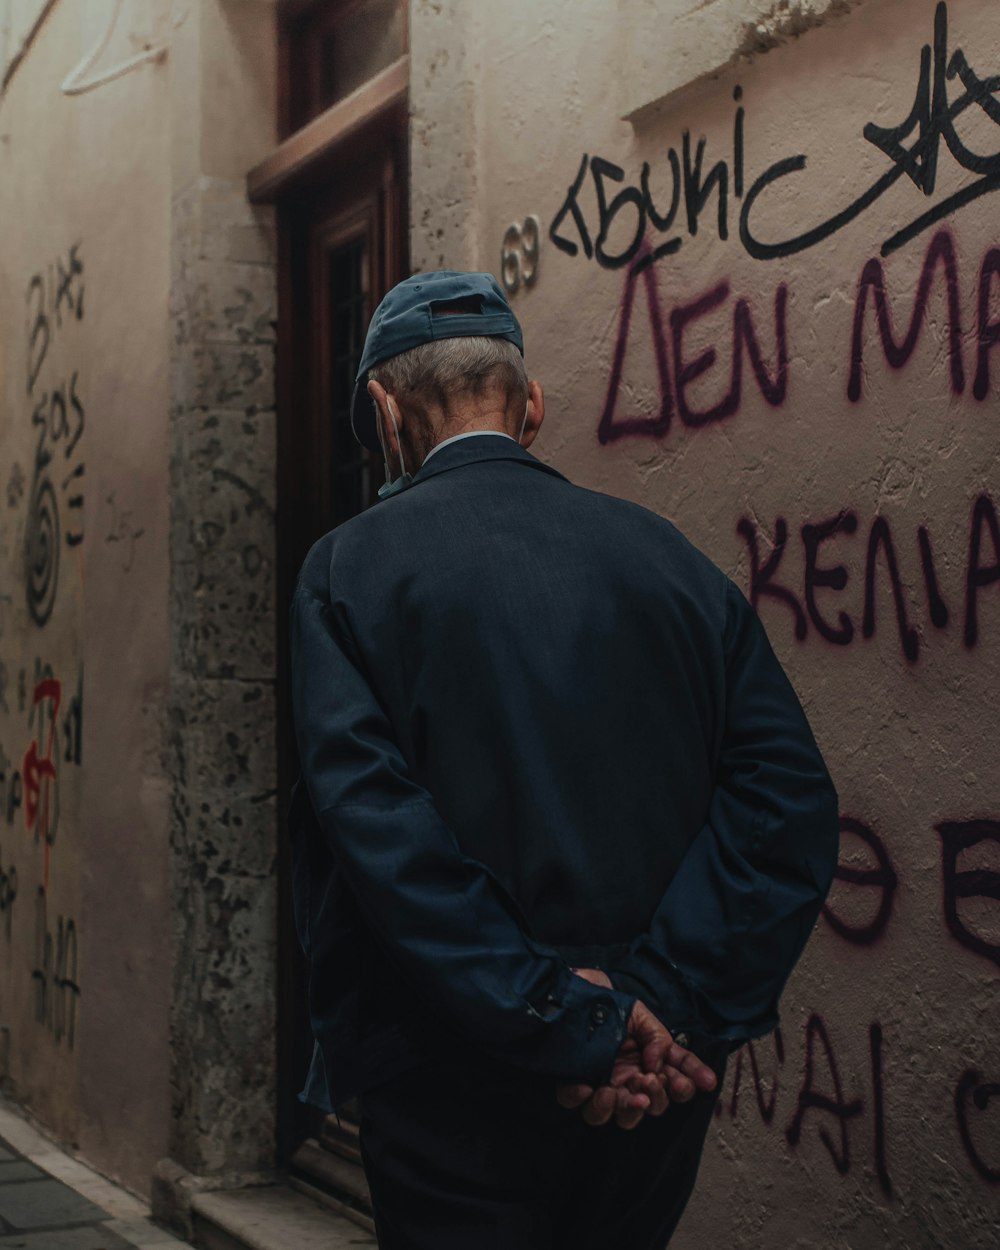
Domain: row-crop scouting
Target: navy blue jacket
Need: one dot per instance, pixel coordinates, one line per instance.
(538, 729)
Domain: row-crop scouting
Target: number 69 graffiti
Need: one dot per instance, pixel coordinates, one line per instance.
(519, 254)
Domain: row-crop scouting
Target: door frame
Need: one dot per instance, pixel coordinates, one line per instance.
(360, 183)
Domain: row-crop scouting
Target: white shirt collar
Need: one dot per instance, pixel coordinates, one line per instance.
(468, 434)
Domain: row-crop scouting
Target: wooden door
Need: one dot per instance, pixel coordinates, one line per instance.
(342, 245)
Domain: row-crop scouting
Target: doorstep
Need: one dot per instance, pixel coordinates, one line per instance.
(272, 1217)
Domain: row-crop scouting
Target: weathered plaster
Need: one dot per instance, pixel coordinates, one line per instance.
(665, 48)
(85, 939)
(894, 1139)
(222, 611)
(137, 940)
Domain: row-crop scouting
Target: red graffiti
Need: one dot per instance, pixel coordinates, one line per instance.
(39, 771)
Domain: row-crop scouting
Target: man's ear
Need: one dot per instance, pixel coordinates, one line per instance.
(389, 419)
(536, 413)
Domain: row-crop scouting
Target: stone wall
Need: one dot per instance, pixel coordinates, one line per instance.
(223, 753)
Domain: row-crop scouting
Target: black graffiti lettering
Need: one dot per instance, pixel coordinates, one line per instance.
(571, 204)
(72, 726)
(58, 425)
(55, 974)
(810, 1099)
(690, 185)
(697, 192)
(601, 170)
(8, 896)
(956, 837)
(882, 878)
(941, 249)
(39, 334)
(77, 407)
(739, 144)
(835, 577)
(881, 536)
(931, 119)
(41, 550)
(663, 223)
(65, 293)
(11, 788)
(977, 575)
(971, 1087)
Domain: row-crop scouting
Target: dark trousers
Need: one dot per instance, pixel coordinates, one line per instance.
(463, 1156)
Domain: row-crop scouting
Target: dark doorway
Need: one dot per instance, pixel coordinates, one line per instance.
(342, 237)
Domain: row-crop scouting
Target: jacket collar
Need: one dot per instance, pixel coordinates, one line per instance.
(476, 450)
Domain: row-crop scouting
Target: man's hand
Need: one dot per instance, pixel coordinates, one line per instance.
(650, 1069)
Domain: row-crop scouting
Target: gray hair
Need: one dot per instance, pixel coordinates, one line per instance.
(437, 372)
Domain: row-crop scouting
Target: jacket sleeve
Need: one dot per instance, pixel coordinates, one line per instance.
(443, 918)
(743, 902)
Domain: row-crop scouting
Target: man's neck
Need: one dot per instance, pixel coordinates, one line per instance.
(453, 438)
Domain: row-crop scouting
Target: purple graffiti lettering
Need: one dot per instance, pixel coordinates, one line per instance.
(956, 837)
(978, 575)
(941, 250)
(989, 331)
(882, 878)
(834, 576)
(881, 536)
(761, 576)
(609, 428)
(971, 1087)
(811, 1099)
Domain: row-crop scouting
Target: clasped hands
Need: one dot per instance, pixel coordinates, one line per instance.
(649, 1072)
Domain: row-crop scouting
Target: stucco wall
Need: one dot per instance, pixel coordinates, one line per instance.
(821, 419)
(84, 935)
(137, 837)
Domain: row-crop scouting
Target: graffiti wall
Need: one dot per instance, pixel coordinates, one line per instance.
(83, 584)
(767, 305)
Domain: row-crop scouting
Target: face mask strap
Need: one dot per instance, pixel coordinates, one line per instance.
(524, 422)
(404, 479)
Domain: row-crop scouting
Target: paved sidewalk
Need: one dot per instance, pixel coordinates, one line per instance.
(50, 1201)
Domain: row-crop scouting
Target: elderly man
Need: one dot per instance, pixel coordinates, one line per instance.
(563, 829)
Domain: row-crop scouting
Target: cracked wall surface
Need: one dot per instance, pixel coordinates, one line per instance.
(85, 950)
(222, 619)
(137, 648)
(766, 307)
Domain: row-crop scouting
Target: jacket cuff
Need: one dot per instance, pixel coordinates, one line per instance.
(589, 1024)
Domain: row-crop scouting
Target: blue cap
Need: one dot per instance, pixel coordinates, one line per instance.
(421, 309)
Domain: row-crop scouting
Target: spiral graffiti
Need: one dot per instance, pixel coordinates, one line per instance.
(41, 550)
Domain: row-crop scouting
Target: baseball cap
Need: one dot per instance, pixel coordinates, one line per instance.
(421, 309)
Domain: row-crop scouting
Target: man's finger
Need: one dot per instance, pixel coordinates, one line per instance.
(681, 1087)
(601, 1106)
(573, 1096)
(690, 1065)
(630, 1108)
(654, 1086)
